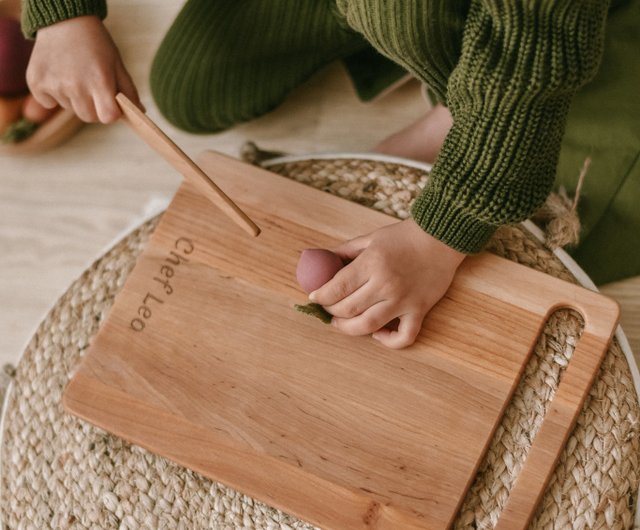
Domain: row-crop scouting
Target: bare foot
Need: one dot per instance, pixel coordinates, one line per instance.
(422, 140)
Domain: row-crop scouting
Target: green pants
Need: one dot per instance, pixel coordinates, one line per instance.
(226, 62)
(223, 62)
(604, 124)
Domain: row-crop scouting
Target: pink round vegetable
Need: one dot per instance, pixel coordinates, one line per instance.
(316, 267)
(15, 51)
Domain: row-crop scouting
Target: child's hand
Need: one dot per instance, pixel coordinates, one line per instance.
(75, 64)
(398, 271)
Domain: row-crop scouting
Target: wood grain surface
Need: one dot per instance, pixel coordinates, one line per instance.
(203, 360)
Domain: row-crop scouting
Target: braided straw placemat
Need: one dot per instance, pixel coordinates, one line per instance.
(60, 472)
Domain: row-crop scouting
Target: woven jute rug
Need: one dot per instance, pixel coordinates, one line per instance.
(60, 472)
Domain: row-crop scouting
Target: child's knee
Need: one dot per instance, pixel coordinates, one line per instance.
(399, 29)
(182, 96)
(192, 74)
(219, 65)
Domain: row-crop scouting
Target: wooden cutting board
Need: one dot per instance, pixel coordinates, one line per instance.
(202, 359)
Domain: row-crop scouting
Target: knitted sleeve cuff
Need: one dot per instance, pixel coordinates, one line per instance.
(451, 224)
(496, 167)
(509, 96)
(38, 14)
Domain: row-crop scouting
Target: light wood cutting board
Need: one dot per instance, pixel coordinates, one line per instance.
(203, 360)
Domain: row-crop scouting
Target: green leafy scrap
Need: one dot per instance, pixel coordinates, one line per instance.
(315, 310)
(18, 131)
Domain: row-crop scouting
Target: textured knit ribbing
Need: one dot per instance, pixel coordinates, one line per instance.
(424, 36)
(37, 14)
(509, 93)
(223, 63)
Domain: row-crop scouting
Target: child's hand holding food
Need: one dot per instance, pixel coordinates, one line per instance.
(399, 271)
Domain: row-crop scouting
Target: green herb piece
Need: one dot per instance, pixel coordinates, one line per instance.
(18, 131)
(315, 310)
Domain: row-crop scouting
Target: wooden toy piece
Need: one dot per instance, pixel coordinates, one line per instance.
(62, 125)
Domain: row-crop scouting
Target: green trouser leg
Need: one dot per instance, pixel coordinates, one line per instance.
(225, 62)
(604, 124)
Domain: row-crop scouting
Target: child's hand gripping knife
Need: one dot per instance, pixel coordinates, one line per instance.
(399, 271)
(75, 64)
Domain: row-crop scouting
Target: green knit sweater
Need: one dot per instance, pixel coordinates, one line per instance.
(507, 70)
